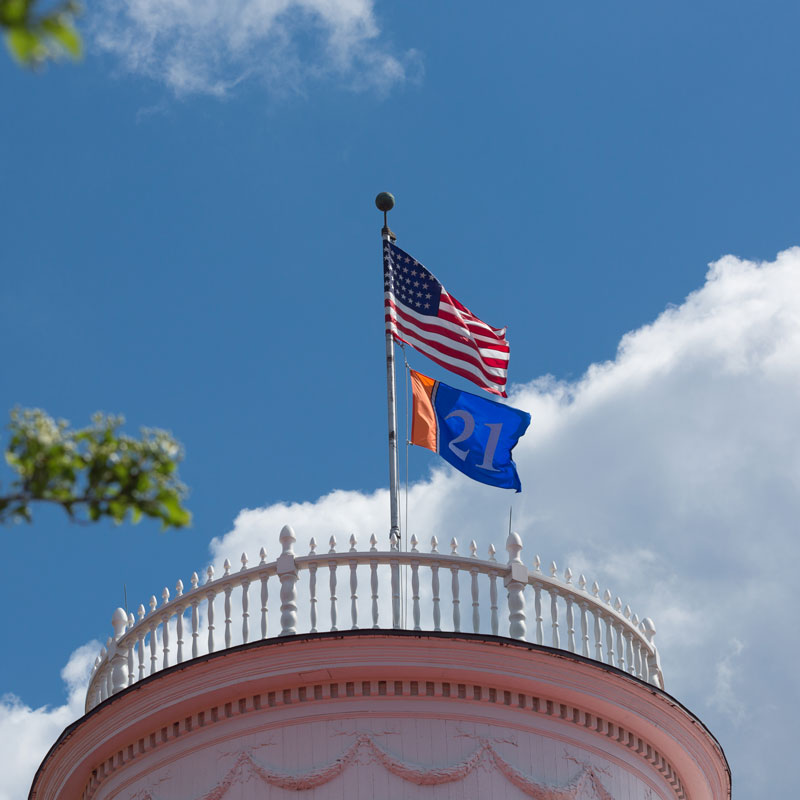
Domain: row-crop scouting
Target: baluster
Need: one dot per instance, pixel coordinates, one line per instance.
(476, 612)
(415, 583)
(165, 628)
(179, 620)
(537, 607)
(95, 685)
(312, 584)
(653, 661)
(140, 642)
(637, 649)
(131, 671)
(119, 661)
(598, 633)
(628, 642)
(618, 628)
(102, 680)
(227, 604)
(107, 670)
(537, 601)
(245, 602)
(287, 572)
(332, 567)
(195, 615)
(554, 608)
(353, 585)
(153, 644)
(495, 621)
(395, 569)
(373, 579)
(210, 594)
(584, 617)
(645, 653)
(570, 612)
(515, 581)
(437, 618)
(609, 630)
(264, 593)
(455, 588)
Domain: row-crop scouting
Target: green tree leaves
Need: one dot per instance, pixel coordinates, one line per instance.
(93, 472)
(34, 36)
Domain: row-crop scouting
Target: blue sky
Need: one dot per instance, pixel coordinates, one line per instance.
(189, 238)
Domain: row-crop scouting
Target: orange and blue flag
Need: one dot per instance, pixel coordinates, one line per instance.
(472, 433)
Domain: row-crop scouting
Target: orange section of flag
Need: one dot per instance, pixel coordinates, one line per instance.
(423, 423)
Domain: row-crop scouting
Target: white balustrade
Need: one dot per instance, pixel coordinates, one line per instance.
(607, 632)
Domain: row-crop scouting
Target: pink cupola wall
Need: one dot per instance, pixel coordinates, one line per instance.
(498, 681)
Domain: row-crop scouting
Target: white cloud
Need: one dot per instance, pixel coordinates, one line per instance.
(672, 475)
(28, 733)
(211, 46)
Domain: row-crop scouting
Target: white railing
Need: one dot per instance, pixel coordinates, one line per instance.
(565, 615)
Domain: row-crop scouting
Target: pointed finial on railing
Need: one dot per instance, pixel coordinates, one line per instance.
(209, 574)
(473, 548)
(244, 562)
(537, 563)
(582, 582)
(454, 546)
(179, 588)
(627, 612)
(514, 548)
(352, 543)
(414, 543)
(119, 620)
(195, 580)
(287, 539)
(131, 620)
(607, 597)
(312, 547)
(596, 589)
(649, 629)
(227, 567)
(373, 543)
(492, 551)
(153, 603)
(262, 554)
(635, 620)
(165, 596)
(553, 569)
(332, 543)
(434, 544)
(568, 575)
(618, 605)
(141, 612)
(103, 651)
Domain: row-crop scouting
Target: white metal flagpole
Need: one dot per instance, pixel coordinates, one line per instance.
(385, 202)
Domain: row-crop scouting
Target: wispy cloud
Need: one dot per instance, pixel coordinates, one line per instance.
(211, 46)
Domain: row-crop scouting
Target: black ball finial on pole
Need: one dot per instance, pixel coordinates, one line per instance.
(385, 202)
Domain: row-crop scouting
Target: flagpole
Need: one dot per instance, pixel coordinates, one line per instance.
(385, 202)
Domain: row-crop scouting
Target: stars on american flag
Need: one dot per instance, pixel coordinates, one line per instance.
(410, 283)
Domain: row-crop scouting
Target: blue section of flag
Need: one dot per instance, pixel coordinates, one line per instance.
(477, 435)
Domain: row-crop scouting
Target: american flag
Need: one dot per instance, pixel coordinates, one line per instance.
(422, 314)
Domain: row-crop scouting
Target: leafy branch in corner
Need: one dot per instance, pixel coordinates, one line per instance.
(92, 472)
(34, 35)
